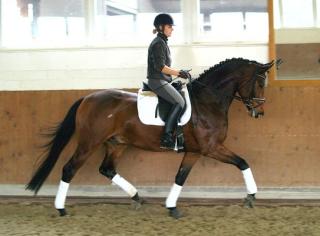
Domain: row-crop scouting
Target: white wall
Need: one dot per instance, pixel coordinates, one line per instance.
(99, 68)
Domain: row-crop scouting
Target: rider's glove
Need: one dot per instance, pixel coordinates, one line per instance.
(184, 74)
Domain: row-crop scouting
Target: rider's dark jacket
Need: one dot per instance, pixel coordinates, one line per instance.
(158, 57)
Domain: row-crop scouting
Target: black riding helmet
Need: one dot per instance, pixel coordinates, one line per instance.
(163, 19)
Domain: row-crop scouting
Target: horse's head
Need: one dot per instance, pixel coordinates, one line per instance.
(237, 78)
(251, 87)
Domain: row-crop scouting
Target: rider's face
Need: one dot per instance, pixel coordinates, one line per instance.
(167, 31)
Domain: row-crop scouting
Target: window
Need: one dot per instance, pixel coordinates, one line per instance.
(234, 21)
(296, 13)
(46, 23)
(64, 23)
(28, 23)
(119, 20)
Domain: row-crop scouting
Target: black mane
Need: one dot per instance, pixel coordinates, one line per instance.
(228, 63)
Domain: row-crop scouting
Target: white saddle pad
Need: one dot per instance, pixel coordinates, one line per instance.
(147, 103)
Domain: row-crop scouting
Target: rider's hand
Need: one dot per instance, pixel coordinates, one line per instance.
(184, 74)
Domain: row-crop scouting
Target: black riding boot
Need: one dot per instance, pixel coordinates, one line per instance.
(168, 140)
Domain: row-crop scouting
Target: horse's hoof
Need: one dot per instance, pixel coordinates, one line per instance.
(142, 201)
(249, 201)
(174, 213)
(138, 204)
(62, 212)
(137, 201)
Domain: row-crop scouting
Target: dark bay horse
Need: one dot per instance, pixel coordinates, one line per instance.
(110, 118)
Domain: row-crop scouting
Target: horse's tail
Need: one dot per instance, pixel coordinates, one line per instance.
(61, 135)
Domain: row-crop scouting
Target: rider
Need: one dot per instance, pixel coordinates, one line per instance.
(160, 75)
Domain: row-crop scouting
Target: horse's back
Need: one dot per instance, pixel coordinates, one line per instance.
(107, 103)
(111, 94)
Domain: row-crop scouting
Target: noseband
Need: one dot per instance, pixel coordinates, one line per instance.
(249, 102)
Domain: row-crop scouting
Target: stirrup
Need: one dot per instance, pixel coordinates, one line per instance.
(167, 142)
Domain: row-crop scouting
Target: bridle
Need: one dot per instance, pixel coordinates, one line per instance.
(252, 102)
(249, 102)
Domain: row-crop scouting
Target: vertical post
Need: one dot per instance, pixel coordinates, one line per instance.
(279, 2)
(1, 24)
(315, 16)
(90, 13)
(101, 14)
(272, 46)
(190, 10)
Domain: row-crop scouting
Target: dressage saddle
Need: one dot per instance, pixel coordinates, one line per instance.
(163, 108)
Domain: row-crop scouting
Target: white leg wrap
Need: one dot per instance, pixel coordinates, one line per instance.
(249, 181)
(61, 195)
(124, 185)
(173, 196)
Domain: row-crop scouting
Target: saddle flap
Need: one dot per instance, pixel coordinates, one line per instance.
(147, 103)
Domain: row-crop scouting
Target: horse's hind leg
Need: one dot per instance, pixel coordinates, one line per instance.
(68, 172)
(187, 163)
(108, 169)
(226, 156)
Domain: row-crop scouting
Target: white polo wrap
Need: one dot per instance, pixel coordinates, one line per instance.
(124, 185)
(173, 196)
(61, 195)
(249, 181)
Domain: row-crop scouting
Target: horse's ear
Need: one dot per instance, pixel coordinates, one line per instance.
(267, 66)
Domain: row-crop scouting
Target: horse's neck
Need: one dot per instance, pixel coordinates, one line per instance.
(216, 97)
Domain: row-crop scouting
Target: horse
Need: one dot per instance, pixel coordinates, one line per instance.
(109, 117)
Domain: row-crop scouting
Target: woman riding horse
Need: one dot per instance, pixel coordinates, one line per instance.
(160, 75)
(110, 118)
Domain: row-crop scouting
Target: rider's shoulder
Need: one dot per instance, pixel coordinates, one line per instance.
(157, 41)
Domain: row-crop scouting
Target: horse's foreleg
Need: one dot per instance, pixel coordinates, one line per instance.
(187, 163)
(69, 170)
(107, 169)
(226, 156)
